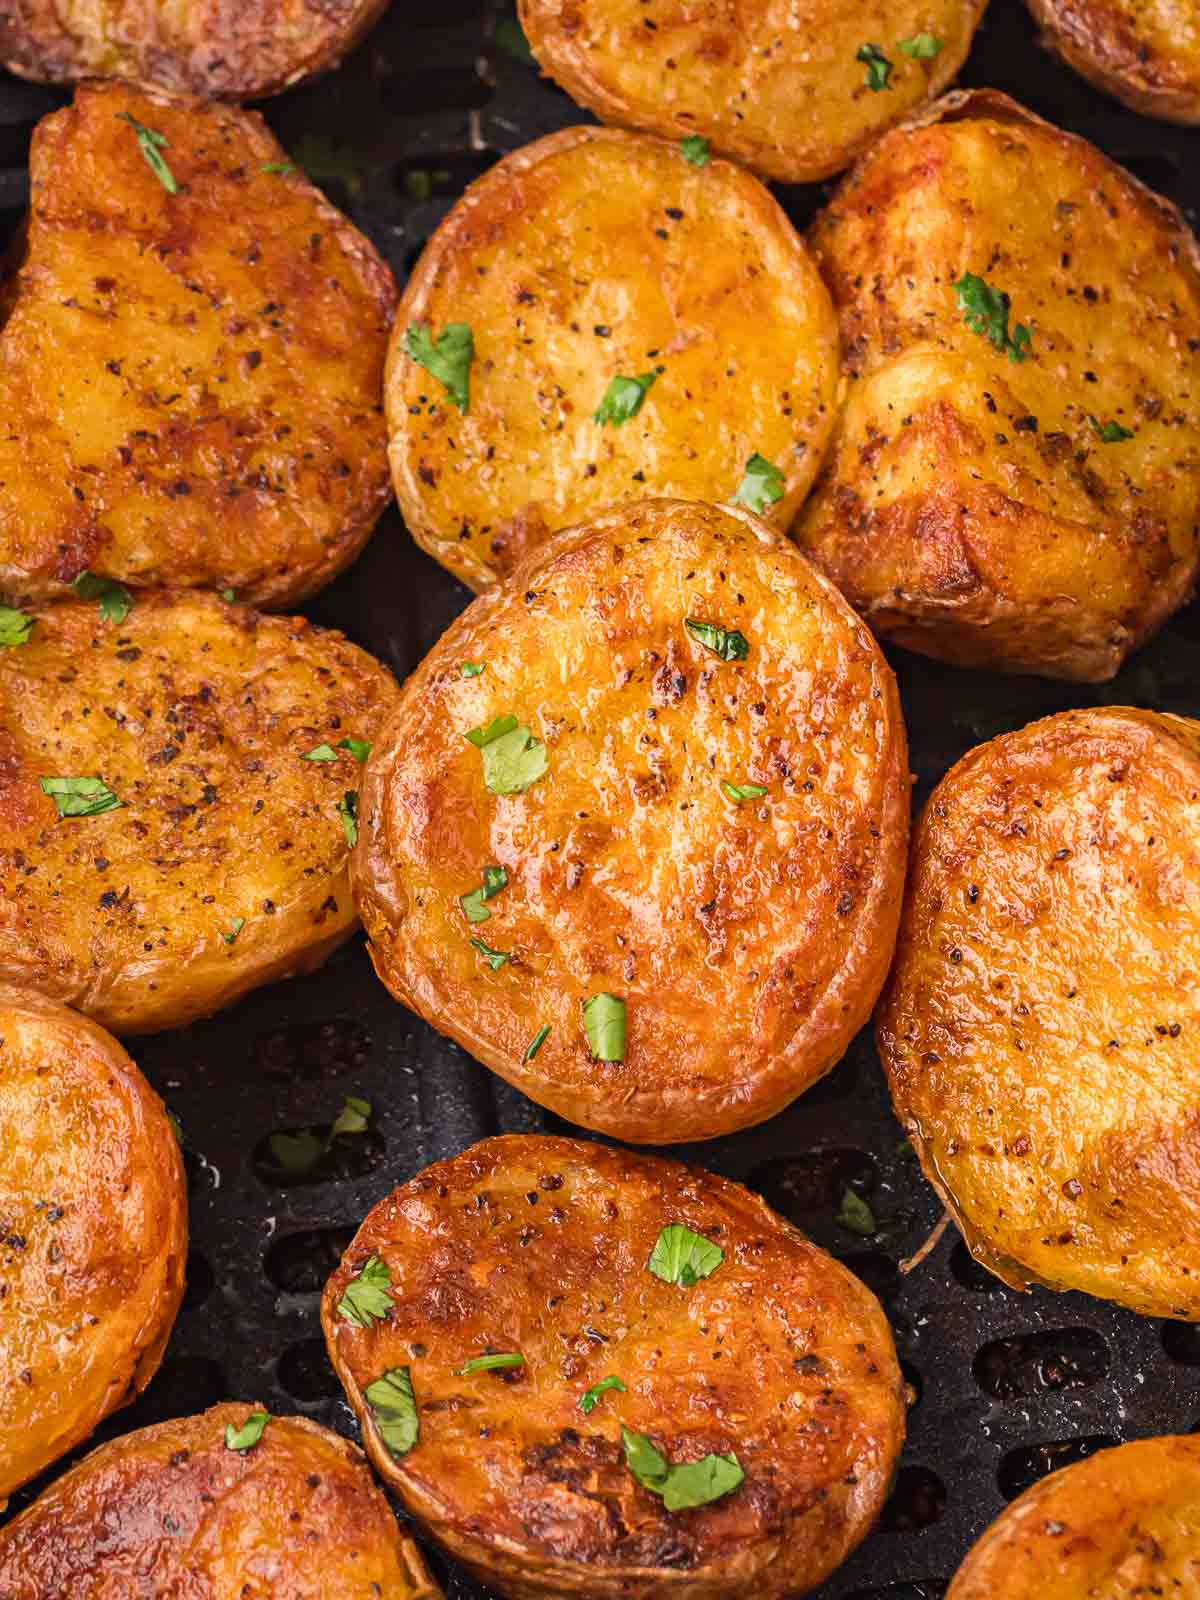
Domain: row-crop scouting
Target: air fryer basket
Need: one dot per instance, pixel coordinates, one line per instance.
(1009, 1386)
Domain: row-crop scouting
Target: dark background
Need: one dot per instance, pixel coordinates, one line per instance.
(1009, 1385)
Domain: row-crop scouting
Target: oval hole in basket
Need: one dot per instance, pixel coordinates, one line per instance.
(305, 1373)
(1029, 1364)
(1181, 1341)
(348, 1155)
(1023, 1466)
(914, 1589)
(299, 1263)
(309, 1050)
(917, 1500)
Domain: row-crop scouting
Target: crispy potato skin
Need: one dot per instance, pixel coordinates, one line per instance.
(296, 1517)
(192, 379)
(93, 1219)
(203, 47)
(968, 508)
(1122, 1524)
(536, 1245)
(1145, 52)
(749, 942)
(196, 714)
(781, 91)
(1040, 1024)
(588, 255)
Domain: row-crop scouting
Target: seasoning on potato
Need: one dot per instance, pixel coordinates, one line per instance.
(647, 862)
(231, 1503)
(243, 52)
(1039, 1028)
(587, 1371)
(599, 319)
(1120, 1523)
(93, 1232)
(1146, 54)
(193, 352)
(794, 93)
(1016, 471)
(179, 778)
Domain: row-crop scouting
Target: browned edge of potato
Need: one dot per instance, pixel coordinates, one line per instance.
(1123, 1522)
(1039, 1025)
(785, 92)
(224, 866)
(1031, 514)
(539, 1246)
(589, 255)
(746, 934)
(193, 345)
(296, 1516)
(93, 1232)
(221, 52)
(1137, 53)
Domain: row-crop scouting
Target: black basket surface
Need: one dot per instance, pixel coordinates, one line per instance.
(1009, 1386)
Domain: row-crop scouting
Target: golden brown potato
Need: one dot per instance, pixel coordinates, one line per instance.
(793, 92)
(1122, 1524)
(1145, 52)
(294, 1516)
(93, 1233)
(778, 1359)
(1040, 1025)
(203, 47)
(1028, 503)
(192, 379)
(590, 256)
(710, 836)
(225, 865)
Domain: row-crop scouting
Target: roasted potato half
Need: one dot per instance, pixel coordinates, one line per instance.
(642, 1307)
(204, 47)
(795, 94)
(1016, 473)
(93, 1233)
(193, 355)
(215, 1507)
(165, 845)
(640, 326)
(635, 834)
(1123, 1523)
(1041, 1021)
(1145, 52)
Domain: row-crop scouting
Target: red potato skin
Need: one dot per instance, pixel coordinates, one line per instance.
(530, 1244)
(1136, 52)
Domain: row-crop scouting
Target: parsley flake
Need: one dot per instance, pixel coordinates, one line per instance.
(301, 1152)
(513, 759)
(696, 150)
(985, 311)
(737, 792)
(15, 627)
(282, 168)
(320, 752)
(494, 958)
(152, 145)
(394, 1410)
(1109, 432)
(80, 797)
(494, 879)
(921, 47)
(366, 1299)
(623, 399)
(352, 1118)
(497, 1363)
(727, 643)
(471, 669)
(538, 1040)
(360, 749)
(855, 1215)
(235, 927)
(879, 68)
(683, 1257)
(448, 359)
(761, 486)
(116, 602)
(604, 1024)
(347, 810)
(695, 1483)
(247, 1436)
(591, 1398)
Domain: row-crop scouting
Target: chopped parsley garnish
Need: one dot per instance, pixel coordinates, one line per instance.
(695, 149)
(80, 797)
(366, 1300)
(855, 1214)
(985, 311)
(498, 1363)
(448, 359)
(360, 749)
(320, 752)
(921, 47)
(727, 643)
(538, 1040)
(280, 167)
(1109, 432)
(879, 68)
(15, 627)
(494, 958)
(623, 399)
(512, 758)
(116, 602)
(235, 927)
(683, 1257)
(494, 879)
(152, 145)
(604, 1024)
(352, 1118)
(471, 669)
(229, 596)
(696, 1483)
(591, 1399)
(737, 792)
(394, 1409)
(300, 1152)
(761, 486)
(347, 810)
(250, 1432)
